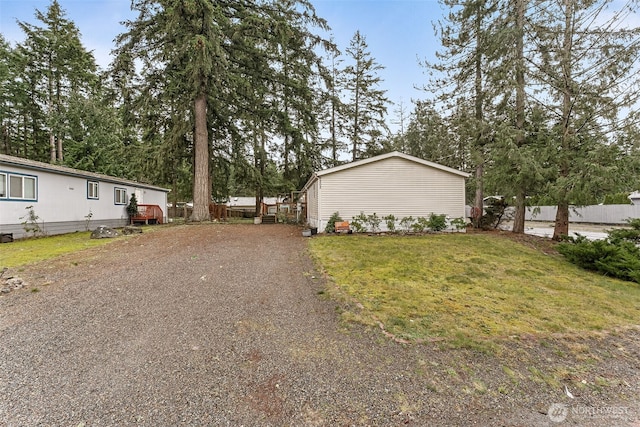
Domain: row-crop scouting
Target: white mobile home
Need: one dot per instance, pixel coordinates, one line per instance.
(65, 199)
(390, 184)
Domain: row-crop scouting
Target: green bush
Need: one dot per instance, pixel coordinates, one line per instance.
(374, 222)
(390, 220)
(358, 223)
(331, 224)
(132, 207)
(493, 213)
(406, 223)
(437, 222)
(459, 223)
(420, 225)
(617, 256)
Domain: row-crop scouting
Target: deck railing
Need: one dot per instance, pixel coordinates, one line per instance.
(148, 214)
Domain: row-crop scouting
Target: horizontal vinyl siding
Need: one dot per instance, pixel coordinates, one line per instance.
(312, 205)
(392, 186)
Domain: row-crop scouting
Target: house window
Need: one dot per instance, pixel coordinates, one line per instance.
(92, 190)
(20, 187)
(121, 196)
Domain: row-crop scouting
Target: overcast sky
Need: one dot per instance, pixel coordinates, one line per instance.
(399, 32)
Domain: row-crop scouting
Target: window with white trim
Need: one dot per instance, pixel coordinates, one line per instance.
(120, 196)
(92, 190)
(3, 185)
(18, 187)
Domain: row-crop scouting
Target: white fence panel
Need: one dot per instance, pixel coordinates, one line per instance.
(597, 214)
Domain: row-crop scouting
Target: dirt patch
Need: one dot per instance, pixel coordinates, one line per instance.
(228, 325)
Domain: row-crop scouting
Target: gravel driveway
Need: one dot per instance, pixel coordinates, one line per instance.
(225, 325)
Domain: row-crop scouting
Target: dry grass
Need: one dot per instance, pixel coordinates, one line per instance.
(466, 288)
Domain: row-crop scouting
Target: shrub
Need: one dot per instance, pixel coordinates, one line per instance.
(420, 225)
(331, 224)
(132, 207)
(390, 220)
(493, 214)
(618, 255)
(406, 223)
(437, 222)
(358, 223)
(30, 222)
(374, 222)
(458, 223)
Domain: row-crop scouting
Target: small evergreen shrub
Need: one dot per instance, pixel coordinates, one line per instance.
(132, 207)
(493, 214)
(331, 224)
(617, 256)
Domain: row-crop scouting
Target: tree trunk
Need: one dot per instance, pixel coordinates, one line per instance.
(59, 148)
(478, 204)
(562, 221)
(52, 147)
(479, 115)
(201, 163)
(562, 215)
(518, 219)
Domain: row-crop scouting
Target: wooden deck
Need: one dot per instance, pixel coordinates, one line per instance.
(148, 214)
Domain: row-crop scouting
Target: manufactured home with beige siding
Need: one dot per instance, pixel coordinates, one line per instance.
(392, 183)
(65, 199)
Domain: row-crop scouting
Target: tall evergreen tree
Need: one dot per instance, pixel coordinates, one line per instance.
(182, 42)
(462, 72)
(332, 108)
(8, 96)
(366, 103)
(62, 68)
(585, 61)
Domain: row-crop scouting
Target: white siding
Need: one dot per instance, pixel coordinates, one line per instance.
(312, 200)
(391, 186)
(62, 202)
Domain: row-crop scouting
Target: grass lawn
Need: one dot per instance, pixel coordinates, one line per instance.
(26, 251)
(469, 288)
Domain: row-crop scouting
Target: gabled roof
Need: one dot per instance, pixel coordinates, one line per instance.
(385, 156)
(63, 170)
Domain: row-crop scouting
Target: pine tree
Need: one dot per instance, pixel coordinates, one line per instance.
(462, 80)
(180, 45)
(585, 58)
(60, 67)
(332, 108)
(366, 103)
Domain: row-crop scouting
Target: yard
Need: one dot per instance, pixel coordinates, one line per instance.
(471, 289)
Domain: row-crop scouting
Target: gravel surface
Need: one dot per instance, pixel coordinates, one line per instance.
(226, 325)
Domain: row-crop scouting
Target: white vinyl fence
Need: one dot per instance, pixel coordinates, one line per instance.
(597, 214)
